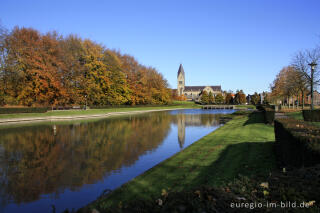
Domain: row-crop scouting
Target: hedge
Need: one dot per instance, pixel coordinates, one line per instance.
(268, 111)
(297, 142)
(311, 115)
(23, 110)
(269, 115)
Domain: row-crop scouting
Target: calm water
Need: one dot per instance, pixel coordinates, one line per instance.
(69, 165)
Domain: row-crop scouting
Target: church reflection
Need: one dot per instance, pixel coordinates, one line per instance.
(185, 120)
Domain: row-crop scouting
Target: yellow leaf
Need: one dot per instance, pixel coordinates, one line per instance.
(310, 203)
(164, 192)
(264, 185)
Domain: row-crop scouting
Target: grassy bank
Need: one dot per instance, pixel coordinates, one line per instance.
(180, 104)
(244, 146)
(245, 106)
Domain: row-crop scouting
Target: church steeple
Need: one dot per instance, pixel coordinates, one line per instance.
(180, 70)
(181, 80)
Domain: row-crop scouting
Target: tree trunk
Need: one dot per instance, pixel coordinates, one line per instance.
(292, 98)
(312, 88)
(302, 93)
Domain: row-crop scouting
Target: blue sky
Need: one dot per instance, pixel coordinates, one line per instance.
(240, 44)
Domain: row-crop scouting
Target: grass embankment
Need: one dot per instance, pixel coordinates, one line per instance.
(180, 104)
(244, 146)
(298, 115)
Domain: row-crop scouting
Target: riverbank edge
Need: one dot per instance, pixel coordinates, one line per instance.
(5, 121)
(92, 205)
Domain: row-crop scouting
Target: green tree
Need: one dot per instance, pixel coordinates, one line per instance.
(255, 99)
(219, 99)
(205, 98)
(210, 98)
(240, 97)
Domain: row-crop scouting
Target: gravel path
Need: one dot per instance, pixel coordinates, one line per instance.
(74, 117)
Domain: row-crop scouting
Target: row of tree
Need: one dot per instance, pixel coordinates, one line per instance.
(298, 79)
(227, 98)
(49, 69)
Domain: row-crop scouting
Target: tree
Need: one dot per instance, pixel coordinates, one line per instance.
(219, 99)
(301, 62)
(266, 98)
(255, 99)
(47, 69)
(296, 83)
(31, 69)
(3, 53)
(240, 97)
(229, 98)
(210, 98)
(204, 98)
(282, 88)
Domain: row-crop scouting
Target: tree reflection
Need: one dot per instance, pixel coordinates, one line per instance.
(47, 159)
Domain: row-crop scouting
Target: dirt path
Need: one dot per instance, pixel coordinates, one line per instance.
(280, 115)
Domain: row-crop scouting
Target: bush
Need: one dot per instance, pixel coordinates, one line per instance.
(297, 142)
(268, 111)
(23, 110)
(311, 115)
(269, 115)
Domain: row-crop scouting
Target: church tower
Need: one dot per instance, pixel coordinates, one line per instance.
(181, 80)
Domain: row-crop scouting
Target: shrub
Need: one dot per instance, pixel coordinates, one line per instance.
(297, 142)
(311, 115)
(268, 111)
(269, 115)
(23, 110)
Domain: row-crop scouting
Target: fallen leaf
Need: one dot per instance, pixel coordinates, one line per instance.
(310, 203)
(265, 185)
(164, 193)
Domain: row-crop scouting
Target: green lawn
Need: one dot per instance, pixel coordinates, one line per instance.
(243, 146)
(298, 115)
(97, 111)
(245, 106)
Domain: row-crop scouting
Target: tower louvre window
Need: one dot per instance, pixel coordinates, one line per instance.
(180, 82)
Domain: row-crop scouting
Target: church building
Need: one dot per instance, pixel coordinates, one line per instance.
(194, 92)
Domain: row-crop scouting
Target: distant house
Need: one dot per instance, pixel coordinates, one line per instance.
(194, 92)
(316, 98)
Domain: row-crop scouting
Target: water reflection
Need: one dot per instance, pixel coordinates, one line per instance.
(182, 120)
(48, 159)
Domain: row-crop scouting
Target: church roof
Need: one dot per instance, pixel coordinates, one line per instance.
(197, 88)
(180, 70)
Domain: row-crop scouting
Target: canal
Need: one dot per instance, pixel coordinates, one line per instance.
(62, 165)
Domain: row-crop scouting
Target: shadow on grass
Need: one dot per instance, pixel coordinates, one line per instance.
(251, 159)
(246, 159)
(255, 117)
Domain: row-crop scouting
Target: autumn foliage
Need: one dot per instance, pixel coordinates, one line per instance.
(48, 69)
